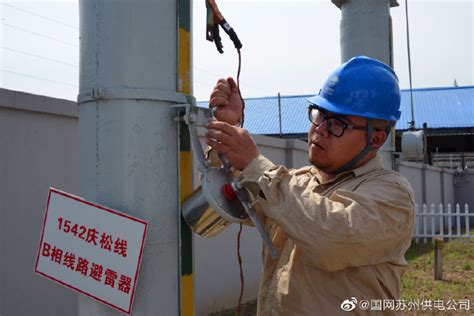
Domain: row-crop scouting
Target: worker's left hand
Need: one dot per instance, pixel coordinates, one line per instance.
(226, 100)
(233, 142)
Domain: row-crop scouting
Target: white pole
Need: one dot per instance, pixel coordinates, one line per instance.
(450, 223)
(425, 228)
(433, 229)
(128, 138)
(466, 211)
(417, 223)
(279, 115)
(441, 221)
(458, 219)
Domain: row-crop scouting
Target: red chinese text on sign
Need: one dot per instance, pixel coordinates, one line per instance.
(91, 249)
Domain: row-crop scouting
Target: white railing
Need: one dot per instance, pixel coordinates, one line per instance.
(440, 222)
(453, 161)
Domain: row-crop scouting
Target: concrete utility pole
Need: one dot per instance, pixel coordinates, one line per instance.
(366, 29)
(128, 138)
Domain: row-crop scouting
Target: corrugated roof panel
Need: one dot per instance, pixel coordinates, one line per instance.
(451, 107)
(261, 116)
(439, 107)
(294, 115)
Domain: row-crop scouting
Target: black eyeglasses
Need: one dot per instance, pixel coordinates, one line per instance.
(335, 126)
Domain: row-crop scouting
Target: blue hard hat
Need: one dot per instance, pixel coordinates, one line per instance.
(363, 86)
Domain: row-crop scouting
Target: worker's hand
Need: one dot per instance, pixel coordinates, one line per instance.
(233, 142)
(226, 99)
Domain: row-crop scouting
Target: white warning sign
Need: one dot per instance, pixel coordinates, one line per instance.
(92, 249)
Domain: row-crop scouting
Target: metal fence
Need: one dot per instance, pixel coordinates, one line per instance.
(454, 161)
(442, 222)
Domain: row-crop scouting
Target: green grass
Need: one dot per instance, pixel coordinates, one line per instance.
(458, 273)
(247, 309)
(418, 282)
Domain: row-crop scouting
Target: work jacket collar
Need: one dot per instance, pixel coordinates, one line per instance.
(375, 163)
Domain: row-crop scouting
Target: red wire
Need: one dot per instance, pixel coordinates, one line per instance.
(240, 229)
(241, 271)
(238, 87)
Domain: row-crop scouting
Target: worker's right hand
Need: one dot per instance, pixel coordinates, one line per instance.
(227, 101)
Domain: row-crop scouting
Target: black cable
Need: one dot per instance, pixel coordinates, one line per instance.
(40, 57)
(38, 78)
(39, 34)
(41, 16)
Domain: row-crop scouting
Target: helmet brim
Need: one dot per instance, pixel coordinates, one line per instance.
(334, 108)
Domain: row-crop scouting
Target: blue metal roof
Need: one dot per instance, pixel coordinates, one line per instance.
(451, 107)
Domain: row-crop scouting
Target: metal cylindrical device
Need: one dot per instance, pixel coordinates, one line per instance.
(365, 30)
(128, 136)
(413, 145)
(202, 219)
(209, 209)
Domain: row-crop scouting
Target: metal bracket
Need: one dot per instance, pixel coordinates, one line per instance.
(247, 203)
(214, 180)
(131, 94)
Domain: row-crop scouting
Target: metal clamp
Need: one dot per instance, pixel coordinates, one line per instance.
(247, 203)
(220, 190)
(131, 94)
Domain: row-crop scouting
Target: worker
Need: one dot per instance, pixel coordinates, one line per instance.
(341, 225)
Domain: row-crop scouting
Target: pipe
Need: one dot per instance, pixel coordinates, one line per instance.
(279, 114)
(366, 30)
(128, 139)
(412, 122)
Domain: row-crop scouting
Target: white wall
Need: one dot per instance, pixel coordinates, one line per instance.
(464, 191)
(39, 141)
(413, 175)
(432, 185)
(216, 275)
(39, 149)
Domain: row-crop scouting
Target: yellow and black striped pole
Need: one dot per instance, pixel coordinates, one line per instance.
(185, 158)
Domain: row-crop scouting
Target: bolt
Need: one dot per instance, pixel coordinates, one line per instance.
(192, 118)
(236, 185)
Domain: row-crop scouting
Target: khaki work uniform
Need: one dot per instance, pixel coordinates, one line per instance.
(338, 240)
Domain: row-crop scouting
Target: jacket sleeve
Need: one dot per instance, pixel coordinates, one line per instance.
(367, 226)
